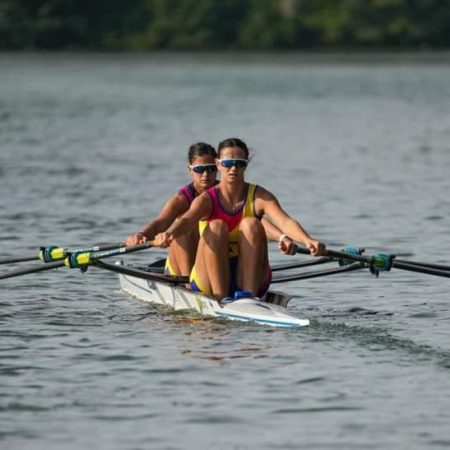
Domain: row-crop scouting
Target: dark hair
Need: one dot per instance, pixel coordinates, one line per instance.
(201, 149)
(233, 142)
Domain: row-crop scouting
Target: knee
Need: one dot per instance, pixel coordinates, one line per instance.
(217, 228)
(251, 226)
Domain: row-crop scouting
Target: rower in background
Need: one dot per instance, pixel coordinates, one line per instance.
(203, 170)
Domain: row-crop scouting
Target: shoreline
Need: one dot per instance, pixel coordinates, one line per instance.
(252, 57)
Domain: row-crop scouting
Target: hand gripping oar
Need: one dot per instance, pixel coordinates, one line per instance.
(79, 260)
(380, 261)
(53, 253)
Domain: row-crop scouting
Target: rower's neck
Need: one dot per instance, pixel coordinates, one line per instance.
(232, 193)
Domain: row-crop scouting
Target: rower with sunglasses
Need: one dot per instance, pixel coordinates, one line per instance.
(203, 171)
(232, 253)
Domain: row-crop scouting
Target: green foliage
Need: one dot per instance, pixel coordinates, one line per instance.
(223, 24)
(264, 26)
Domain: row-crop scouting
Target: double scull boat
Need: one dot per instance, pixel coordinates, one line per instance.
(270, 311)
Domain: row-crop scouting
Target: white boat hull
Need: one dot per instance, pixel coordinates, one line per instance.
(180, 298)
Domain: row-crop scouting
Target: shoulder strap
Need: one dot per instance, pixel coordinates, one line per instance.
(189, 192)
(249, 207)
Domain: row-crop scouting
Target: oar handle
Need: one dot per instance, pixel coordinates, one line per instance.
(351, 253)
(376, 263)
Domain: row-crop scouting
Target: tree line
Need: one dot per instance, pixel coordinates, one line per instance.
(223, 24)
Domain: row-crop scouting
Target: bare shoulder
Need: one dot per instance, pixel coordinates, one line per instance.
(176, 205)
(265, 202)
(179, 198)
(202, 199)
(264, 195)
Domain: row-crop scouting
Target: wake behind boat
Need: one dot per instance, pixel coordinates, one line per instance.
(270, 311)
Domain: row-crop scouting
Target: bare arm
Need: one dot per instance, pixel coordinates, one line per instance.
(199, 209)
(175, 207)
(273, 233)
(266, 203)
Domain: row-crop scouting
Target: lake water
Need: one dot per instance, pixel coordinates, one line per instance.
(91, 146)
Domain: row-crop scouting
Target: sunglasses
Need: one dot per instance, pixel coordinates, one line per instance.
(236, 162)
(201, 168)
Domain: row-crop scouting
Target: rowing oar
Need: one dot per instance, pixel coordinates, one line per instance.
(382, 262)
(422, 264)
(319, 273)
(53, 253)
(300, 264)
(79, 260)
(139, 273)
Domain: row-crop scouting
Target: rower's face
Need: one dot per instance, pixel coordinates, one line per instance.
(203, 172)
(232, 163)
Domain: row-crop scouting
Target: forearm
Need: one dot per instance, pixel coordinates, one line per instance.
(273, 233)
(162, 222)
(181, 227)
(151, 229)
(296, 232)
(147, 233)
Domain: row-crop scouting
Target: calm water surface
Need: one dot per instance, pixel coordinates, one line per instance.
(91, 146)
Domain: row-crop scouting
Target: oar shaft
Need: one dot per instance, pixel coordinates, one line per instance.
(58, 253)
(38, 268)
(420, 269)
(86, 258)
(422, 264)
(19, 259)
(138, 273)
(122, 250)
(78, 260)
(398, 264)
(300, 264)
(319, 273)
(337, 254)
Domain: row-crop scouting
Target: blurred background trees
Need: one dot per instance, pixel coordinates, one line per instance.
(224, 24)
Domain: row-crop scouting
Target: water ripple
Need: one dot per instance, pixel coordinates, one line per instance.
(362, 158)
